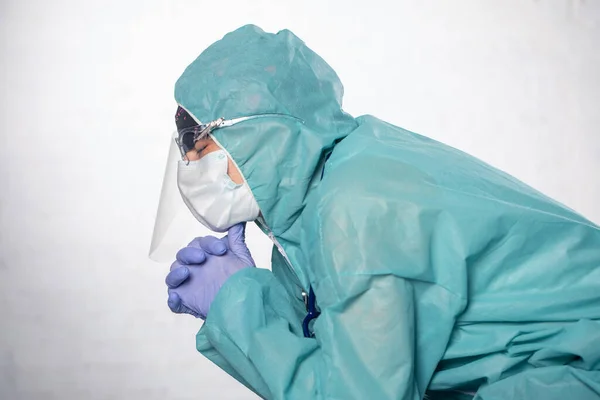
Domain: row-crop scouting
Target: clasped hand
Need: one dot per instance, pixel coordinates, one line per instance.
(202, 268)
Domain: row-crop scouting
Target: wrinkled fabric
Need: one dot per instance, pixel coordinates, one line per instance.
(434, 272)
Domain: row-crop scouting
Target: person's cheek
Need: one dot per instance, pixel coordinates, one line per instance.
(192, 155)
(208, 149)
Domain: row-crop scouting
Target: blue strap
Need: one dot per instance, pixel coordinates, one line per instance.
(311, 313)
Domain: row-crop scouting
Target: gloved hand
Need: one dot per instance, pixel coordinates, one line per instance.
(203, 267)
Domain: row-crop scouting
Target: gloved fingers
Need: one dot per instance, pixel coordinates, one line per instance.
(236, 240)
(212, 245)
(177, 276)
(191, 255)
(175, 304)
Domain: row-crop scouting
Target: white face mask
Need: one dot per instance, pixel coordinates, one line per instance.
(210, 194)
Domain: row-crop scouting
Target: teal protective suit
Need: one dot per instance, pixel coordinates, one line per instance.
(434, 273)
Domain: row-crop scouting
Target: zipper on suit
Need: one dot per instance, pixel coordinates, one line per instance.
(263, 225)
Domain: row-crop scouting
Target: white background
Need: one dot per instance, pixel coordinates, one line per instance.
(87, 109)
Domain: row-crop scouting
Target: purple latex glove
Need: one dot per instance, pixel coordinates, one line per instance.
(203, 267)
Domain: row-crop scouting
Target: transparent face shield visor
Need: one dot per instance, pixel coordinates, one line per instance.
(175, 226)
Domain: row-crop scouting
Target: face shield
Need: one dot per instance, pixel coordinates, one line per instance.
(175, 225)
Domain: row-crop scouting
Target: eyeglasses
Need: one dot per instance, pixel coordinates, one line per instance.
(186, 138)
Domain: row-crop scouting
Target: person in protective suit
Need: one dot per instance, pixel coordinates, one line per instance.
(401, 266)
